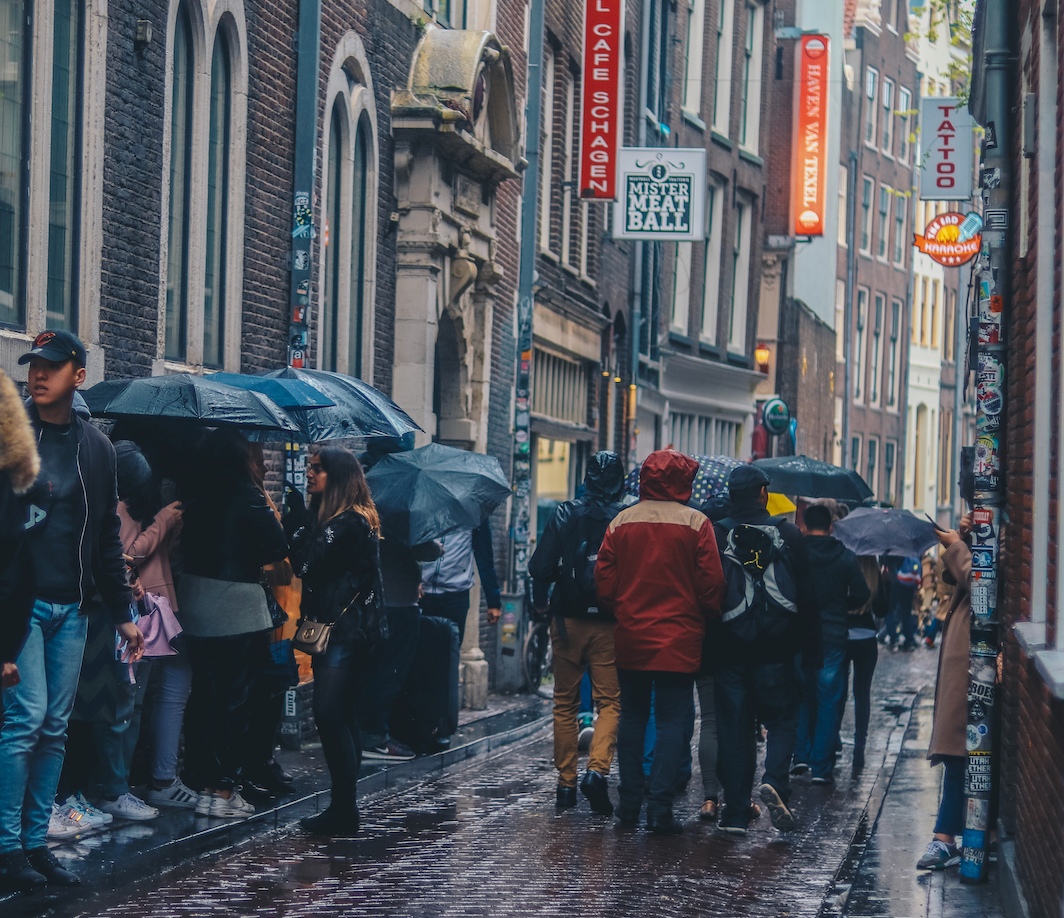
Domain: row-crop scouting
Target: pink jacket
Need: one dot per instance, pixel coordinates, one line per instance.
(150, 550)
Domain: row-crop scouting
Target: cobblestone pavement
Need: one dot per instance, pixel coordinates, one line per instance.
(487, 840)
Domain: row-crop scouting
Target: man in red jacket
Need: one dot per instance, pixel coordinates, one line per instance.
(659, 573)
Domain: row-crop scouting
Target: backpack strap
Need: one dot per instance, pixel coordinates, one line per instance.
(776, 520)
(727, 523)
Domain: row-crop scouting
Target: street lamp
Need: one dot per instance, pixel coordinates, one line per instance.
(761, 356)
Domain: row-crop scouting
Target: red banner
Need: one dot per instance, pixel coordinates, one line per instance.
(809, 177)
(600, 117)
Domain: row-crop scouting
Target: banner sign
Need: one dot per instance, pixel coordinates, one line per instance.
(662, 194)
(946, 149)
(951, 239)
(810, 167)
(601, 115)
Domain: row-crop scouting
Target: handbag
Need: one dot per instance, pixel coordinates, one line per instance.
(313, 637)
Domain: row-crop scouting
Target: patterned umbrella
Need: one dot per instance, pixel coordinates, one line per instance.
(711, 479)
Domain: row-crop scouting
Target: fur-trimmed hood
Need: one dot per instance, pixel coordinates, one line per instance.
(18, 447)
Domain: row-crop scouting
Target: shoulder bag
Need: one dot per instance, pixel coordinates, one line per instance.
(313, 637)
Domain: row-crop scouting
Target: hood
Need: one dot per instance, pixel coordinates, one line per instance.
(18, 447)
(604, 479)
(823, 550)
(667, 475)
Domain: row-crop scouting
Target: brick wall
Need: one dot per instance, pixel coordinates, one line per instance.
(807, 348)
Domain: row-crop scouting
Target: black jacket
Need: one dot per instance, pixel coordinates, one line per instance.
(103, 569)
(337, 562)
(838, 586)
(720, 648)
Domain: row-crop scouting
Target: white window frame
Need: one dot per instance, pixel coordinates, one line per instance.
(722, 87)
(860, 321)
(546, 177)
(740, 298)
(871, 119)
(568, 178)
(750, 126)
(878, 315)
(840, 320)
(887, 95)
(905, 102)
(681, 289)
(844, 211)
(694, 57)
(711, 273)
(868, 202)
(901, 217)
(897, 308)
(886, 195)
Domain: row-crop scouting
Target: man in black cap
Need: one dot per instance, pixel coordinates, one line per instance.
(72, 528)
(752, 651)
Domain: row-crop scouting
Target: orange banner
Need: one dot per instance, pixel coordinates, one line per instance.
(809, 176)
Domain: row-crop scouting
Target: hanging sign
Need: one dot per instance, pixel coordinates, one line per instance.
(776, 416)
(600, 116)
(810, 166)
(946, 149)
(662, 194)
(951, 239)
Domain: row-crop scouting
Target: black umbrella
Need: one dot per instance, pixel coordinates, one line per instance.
(428, 492)
(288, 393)
(872, 531)
(359, 410)
(807, 477)
(189, 397)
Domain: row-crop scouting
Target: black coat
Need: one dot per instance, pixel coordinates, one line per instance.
(337, 562)
(838, 586)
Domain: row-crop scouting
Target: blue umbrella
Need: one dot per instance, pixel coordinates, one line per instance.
(873, 531)
(288, 393)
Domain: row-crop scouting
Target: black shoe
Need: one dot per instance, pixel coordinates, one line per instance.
(734, 820)
(778, 811)
(282, 776)
(265, 780)
(47, 865)
(596, 789)
(337, 822)
(16, 874)
(858, 761)
(799, 768)
(253, 790)
(566, 796)
(629, 819)
(664, 825)
(824, 780)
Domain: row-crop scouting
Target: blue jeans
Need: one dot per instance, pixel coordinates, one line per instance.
(817, 713)
(36, 712)
(951, 806)
(652, 739)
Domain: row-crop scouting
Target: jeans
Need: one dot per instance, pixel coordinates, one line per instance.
(900, 614)
(951, 807)
(174, 684)
(746, 695)
(586, 648)
(707, 738)
(36, 712)
(454, 606)
(863, 654)
(672, 697)
(335, 702)
(114, 743)
(818, 712)
(652, 739)
(381, 680)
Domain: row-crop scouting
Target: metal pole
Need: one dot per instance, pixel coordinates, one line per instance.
(847, 320)
(959, 328)
(992, 288)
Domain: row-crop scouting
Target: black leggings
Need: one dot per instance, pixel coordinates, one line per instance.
(335, 693)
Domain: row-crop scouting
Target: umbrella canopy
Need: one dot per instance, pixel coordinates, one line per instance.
(288, 393)
(185, 396)
(428, 492)
(711, 479)
(812, 478)
(358, 409)
(872, 531)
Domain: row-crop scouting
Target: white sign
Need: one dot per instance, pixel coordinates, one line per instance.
(661, 194)
(946, 163)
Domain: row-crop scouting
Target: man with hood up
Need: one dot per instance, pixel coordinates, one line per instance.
(581, 631)
(660, 574)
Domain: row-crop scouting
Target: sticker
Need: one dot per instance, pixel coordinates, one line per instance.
(976, 711)
(987, 463)
(990, 135)
(996, 219)
(972, 738)
(989, 333)
(990, 178)
(983, 560)
(989, 380)
(302, 260)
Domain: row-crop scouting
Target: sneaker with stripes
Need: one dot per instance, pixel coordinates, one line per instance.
(177, 794)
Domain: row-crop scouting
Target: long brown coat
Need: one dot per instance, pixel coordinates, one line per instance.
(951, 689)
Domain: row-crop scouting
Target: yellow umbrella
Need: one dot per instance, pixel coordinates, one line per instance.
(779, 504)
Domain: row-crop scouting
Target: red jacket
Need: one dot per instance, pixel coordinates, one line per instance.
(659, 571)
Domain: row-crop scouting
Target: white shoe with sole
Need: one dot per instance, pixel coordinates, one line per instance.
(66, 822)
(129, 806)
(177, 794)
(233, 806)
(203, 804)
(94, 816)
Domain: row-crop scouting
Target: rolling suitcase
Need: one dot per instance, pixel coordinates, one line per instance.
(426, 708)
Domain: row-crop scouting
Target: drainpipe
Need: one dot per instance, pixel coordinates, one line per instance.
(847, 320)
(992, 286)
(959, 329)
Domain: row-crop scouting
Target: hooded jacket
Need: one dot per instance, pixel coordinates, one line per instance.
(603, 487)
(659, 571)
(837, 586)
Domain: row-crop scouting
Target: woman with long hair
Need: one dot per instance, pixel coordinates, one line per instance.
(334, 549)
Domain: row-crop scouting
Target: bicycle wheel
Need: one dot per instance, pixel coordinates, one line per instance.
(538, 660)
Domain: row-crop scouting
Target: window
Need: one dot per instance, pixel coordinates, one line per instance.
(945, 453)
(585, 236)
(873, 370)
(950, 335)
(696, 27)
(750, 113)
(722, 83)
(884, 220)
(923, 311)
(561, 387)
(546, 151)
(934, 314)
(873, 450)
(711, 287)
(681, 288)
(840, 320)
(855, 453)
(362, 239)
(448, 13)
(13, 107)
(740, 278)
(333, 216)
(859, 343)
(697, 435)
(568, 178)
(659, 76)
(177, 259)
(844, 211)
(868, 188)
(871, 110)
(217, 205)
(887, 97)
(905, 102)
(892, 352)
(888, 472)
(900, 236)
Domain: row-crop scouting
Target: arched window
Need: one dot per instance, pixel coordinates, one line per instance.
(217, 205)
(330, 319)
(359, 242)
(177, 263)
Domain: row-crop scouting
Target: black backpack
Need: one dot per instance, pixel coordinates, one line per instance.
(580, 548)
(761, 599)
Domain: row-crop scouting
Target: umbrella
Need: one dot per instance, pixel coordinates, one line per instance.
(190, 397)
(872, 531)
(288, 393)
(428, 492)
(710, 480)
(359, 410)
(812, 478)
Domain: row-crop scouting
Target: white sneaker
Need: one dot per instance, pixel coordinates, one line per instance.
(94, 816)
(65, 822)
(129, 806)
(177, 794)
(234, 806)
(203, 804)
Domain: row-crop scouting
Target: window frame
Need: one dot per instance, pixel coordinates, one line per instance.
(844, 210)
(680, 314)
(722, 83)
(740, 292)
(868, 194)
(753, 54)
(711, 273)
(871, 119)
(901, 217)
(904, 132)
(546, 176)
(874, 387)
(883, 237)
(887, 134)
(860, 320)
(694, 57)
(891, 384)
(568, 168)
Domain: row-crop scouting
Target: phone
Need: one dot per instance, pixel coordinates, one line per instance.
(933, 523)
